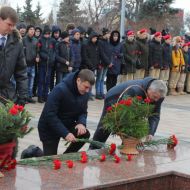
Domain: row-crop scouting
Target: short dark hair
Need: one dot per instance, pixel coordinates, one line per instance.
(87, 75)
(8, 12)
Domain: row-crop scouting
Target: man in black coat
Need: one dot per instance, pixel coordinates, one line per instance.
(156, 91)
(12, 61)
(65, 113)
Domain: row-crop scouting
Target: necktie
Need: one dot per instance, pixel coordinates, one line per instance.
(3, 41)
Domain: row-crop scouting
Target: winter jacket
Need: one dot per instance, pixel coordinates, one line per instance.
(114, 93)
(105, 52)
(130, 50)
(186, 59)
(62, 55)
(155, 54)
(142, 54)
(12, 63)
(46, 49)
(167, 56)
(30, 50)
(90, 54)
(75, 51)
(177, 60)
(65, 108)
(116, 55)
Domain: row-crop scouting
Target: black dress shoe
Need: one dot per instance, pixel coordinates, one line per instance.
(40, 100)
(30, 100)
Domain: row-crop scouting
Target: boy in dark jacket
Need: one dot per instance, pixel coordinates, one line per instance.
(142, 54)
(167, 59)
(30, 50)
(116, 59)
(155, 55)
(46, 47)
(63, 57)
(65, 113)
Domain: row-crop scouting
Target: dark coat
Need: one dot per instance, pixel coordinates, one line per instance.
(116, 55)
(75, 52)
(130, 50)
(155, 54)
(30, 50)
(62, 55)
(90, 54)
(105, 52)
(47, 51)
(114, 93)
(143, 51)
(12, 62)
(167, 56)
(64, 108)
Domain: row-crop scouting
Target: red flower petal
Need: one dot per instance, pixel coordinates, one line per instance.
(139, 98)
(84, 159)
(102, 157)
(117, 158)
(147, 100)
(70, 163)
(129, 157)
(13, 111)
(57, 164)
(109, 109)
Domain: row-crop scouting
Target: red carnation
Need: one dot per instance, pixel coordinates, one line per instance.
(122, 102)
(57, 164)
(13, 111)
(112, 148)
(128, 102)
(70, 163)
(117, 159)
(13, 163)
(83, 153)
(147, 100)
(139, 98)
(102, 157)
(129, 157)
(173, 141)
(84, 159)
(109, 109)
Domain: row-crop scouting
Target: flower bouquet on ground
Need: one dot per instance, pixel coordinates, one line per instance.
(13, 125)
(128, 118)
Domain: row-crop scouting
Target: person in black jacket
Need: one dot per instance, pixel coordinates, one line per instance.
(30, 50)
(63, 58)
(156, 91)
(167, 59)
(155, 55)
(12, 61)
(46, 50)
(65, 112)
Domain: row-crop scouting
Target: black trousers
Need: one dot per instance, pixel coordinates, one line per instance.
(100, 134)
(50, 147)
(111, 81)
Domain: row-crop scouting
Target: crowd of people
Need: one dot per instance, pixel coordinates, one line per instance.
(51, 54)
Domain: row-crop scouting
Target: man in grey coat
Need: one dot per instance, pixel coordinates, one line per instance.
(12, 61)
(156, 91)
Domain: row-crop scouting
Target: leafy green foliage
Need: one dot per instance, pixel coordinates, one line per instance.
(129, 117)
(13, 122)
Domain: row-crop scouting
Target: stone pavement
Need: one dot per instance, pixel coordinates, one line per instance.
(175, 119)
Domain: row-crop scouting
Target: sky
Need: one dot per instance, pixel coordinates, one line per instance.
(48, 4)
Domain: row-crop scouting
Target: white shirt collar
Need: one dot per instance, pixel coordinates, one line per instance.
(4, 36)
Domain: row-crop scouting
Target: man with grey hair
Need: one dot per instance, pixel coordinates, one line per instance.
(148, 87)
